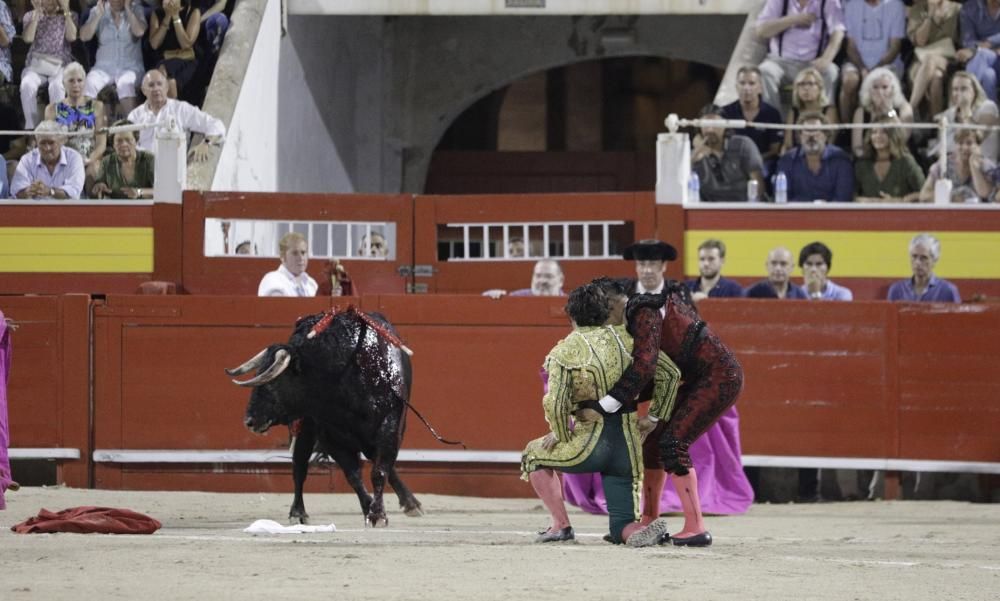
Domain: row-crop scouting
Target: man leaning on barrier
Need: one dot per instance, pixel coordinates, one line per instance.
(159, 110)
(51, 170)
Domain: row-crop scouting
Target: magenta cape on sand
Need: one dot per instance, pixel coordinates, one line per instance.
(5, 477)
(722, 486)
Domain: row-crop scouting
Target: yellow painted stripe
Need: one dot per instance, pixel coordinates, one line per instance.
(965, 255)
(76, 249)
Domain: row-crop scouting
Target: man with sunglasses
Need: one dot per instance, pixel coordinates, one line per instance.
(724, 162)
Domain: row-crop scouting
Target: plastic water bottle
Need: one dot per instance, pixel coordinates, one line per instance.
(752, 192)
(781, 188)
(694, 188)
(942, 191)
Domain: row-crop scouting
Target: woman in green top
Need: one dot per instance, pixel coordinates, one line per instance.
(887, 172)
(127, 172)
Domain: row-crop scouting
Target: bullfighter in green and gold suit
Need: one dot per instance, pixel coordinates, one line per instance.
(582, 366)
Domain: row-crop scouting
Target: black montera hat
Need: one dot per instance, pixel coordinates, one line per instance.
(650, 250)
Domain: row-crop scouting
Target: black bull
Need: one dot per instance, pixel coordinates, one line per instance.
(350, 388)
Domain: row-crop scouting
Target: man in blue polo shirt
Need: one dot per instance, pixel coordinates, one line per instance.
(815, 169)
(924, 286)
(711, 258)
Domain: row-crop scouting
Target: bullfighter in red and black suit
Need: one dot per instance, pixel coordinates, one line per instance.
(712, 380)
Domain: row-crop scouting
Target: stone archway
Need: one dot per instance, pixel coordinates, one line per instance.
(460, 60)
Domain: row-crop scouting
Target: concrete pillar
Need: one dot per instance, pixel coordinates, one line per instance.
(171, 164)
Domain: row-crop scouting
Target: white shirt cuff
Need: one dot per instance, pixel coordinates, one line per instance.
(652, 418)
(610, 404)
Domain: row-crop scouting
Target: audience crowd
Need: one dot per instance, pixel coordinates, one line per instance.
(878, 62)
(83, 64)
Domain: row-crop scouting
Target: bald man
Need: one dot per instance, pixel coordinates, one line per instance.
(779, 266)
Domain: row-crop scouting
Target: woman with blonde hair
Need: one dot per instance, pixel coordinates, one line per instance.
(969, 104)
(887, 172)
(933, 30)
(880, 97)
(808, 96)
(79, 112)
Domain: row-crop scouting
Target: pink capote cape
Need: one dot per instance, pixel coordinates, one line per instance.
(722, 486)
(5, 475)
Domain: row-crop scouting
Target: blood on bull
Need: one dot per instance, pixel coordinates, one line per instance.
(344, 374)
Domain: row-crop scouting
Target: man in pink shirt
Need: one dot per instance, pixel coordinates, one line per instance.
(801, 33)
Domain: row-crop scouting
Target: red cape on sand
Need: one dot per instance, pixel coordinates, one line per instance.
(87, 520)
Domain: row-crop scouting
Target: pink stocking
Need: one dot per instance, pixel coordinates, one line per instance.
(652, 489)
(687, 490)
(549, 489)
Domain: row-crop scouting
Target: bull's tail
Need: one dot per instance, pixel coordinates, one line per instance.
(431, 428)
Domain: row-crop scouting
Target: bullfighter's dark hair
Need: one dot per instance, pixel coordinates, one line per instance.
(612, 286)
(816, 248)
(588, 305)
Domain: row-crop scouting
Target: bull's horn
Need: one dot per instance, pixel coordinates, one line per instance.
(249, 366)
(281, 360)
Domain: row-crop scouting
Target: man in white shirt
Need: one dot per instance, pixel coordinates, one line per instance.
(51, 170)
(290, 279)
(159, 110)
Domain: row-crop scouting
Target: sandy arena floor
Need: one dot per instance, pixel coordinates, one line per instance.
(473, 548)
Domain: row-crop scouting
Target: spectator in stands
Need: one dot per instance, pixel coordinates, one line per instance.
(815, 169)
(808, 96)
(159, 110)
(970, 173)
(980, 28)
(724, 163)
(802, 33)
(881, 98)
(214, 25)
(290, 279)
(924, 286)
(778, 283)
(875, 31)
(120, 26)
(816, 259)
(710, 283)
(546, 280)
(750, 107)
(7, 35)
(51, 170)
(49, 29)
(969, 104)
(377, 248)
(78, 112)
(515, 247)
(245, 248)
(173, 31)
(4, 183)
(933, 30)
(887, 172)
(127, 172)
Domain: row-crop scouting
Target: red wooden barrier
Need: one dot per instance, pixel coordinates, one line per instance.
(48, 392)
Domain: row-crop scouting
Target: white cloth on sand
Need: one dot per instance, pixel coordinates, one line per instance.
(272, 527)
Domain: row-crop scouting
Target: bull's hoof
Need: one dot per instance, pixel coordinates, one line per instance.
(415, 511)
(298, 519)
(377, 521)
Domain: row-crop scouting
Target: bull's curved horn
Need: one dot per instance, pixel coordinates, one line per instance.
(281, 360)
(249, 366)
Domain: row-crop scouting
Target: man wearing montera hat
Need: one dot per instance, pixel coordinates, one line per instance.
(661, 316)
